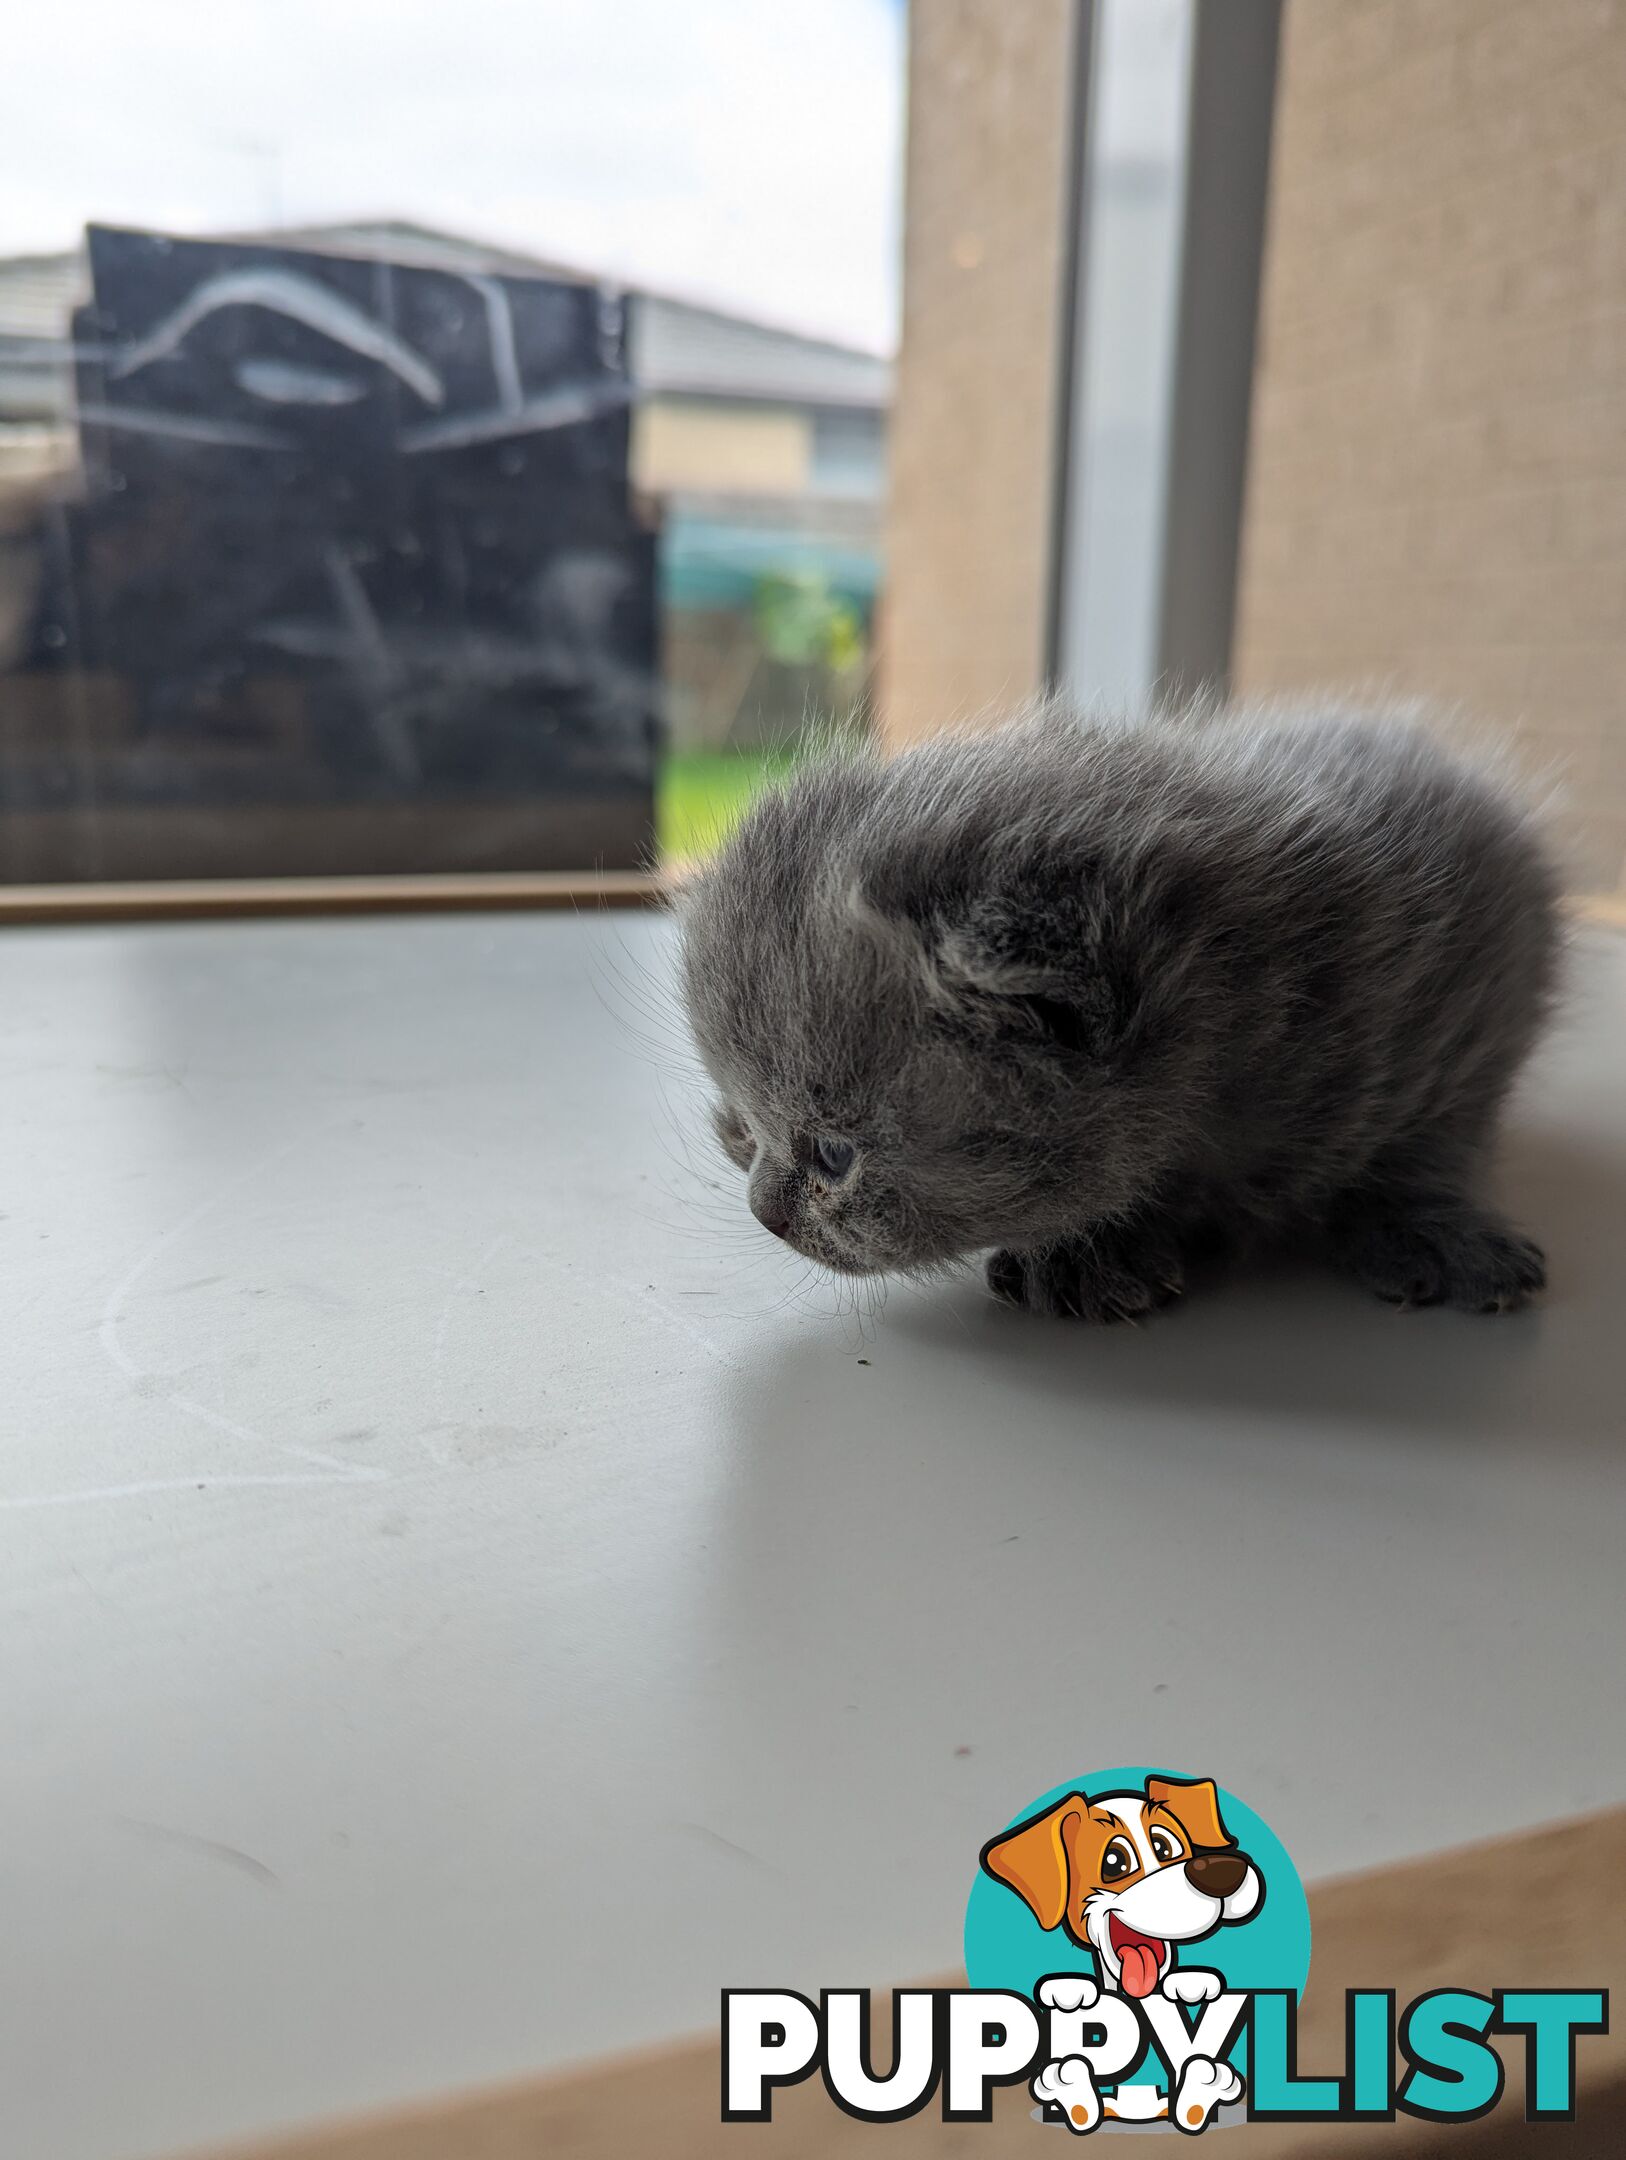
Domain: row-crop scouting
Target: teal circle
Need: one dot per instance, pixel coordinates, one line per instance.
(1005, 1947)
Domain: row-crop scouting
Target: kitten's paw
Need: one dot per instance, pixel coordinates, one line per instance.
(1473, 1261)
(1099, 1279)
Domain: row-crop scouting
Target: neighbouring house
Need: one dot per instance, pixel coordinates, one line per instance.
(763, 450)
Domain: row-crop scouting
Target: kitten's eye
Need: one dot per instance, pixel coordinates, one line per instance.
(834, 1157)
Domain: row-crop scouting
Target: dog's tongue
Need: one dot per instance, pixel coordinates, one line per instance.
(1140, 1963)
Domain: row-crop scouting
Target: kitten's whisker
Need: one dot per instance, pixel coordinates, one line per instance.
(657, 1054)
(656, 1012)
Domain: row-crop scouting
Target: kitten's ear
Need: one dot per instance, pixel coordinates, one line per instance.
(1037, 971)
(1002, 966)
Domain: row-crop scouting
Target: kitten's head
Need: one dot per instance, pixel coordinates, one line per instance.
(918, 1053)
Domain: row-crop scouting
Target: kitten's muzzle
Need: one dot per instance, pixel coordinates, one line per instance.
(768, 1206)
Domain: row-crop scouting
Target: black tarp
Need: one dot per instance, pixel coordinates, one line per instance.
(356, 579)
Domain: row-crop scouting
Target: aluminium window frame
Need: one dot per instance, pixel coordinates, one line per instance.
(1193, 328)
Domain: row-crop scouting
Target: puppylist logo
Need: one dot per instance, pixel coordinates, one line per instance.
(1136, 1943)
(1113, 1904)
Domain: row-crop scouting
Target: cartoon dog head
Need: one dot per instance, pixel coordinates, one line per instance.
(1130, 1875)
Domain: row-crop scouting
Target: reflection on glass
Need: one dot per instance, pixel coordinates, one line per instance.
(337, 544)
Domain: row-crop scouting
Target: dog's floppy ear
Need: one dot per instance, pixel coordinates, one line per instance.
(1194, 1804)
(1033, 1859)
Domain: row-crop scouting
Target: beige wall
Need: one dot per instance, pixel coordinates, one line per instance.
(1437, 493)
(743, 449)
(972, 441)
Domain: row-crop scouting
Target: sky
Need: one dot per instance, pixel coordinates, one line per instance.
(747, 152)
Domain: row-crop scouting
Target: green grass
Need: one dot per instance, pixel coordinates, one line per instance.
(700, 793)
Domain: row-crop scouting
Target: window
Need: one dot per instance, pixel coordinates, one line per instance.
(467, 504)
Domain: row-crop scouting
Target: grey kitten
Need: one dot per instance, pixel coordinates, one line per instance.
(1093, 993)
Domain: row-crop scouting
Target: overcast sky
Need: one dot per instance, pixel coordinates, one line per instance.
(746, 151)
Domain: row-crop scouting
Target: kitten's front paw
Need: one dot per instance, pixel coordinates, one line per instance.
(1473, 1261)
(1096, 1279)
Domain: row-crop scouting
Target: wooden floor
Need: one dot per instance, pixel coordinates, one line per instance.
(1462, 1919)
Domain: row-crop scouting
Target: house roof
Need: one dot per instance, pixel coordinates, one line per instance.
(682, 350)
(37, 294)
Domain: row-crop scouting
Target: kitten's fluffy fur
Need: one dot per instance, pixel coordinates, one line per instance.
(1086, 992)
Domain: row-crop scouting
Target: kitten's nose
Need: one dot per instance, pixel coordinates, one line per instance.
(1217, 1874)
(768, 1206)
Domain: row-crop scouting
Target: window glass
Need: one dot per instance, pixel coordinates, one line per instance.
(433, 440)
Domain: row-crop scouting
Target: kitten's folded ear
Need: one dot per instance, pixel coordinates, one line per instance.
(1008, 966)
(1052, 971)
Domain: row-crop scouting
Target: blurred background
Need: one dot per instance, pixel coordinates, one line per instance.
(486, 440)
